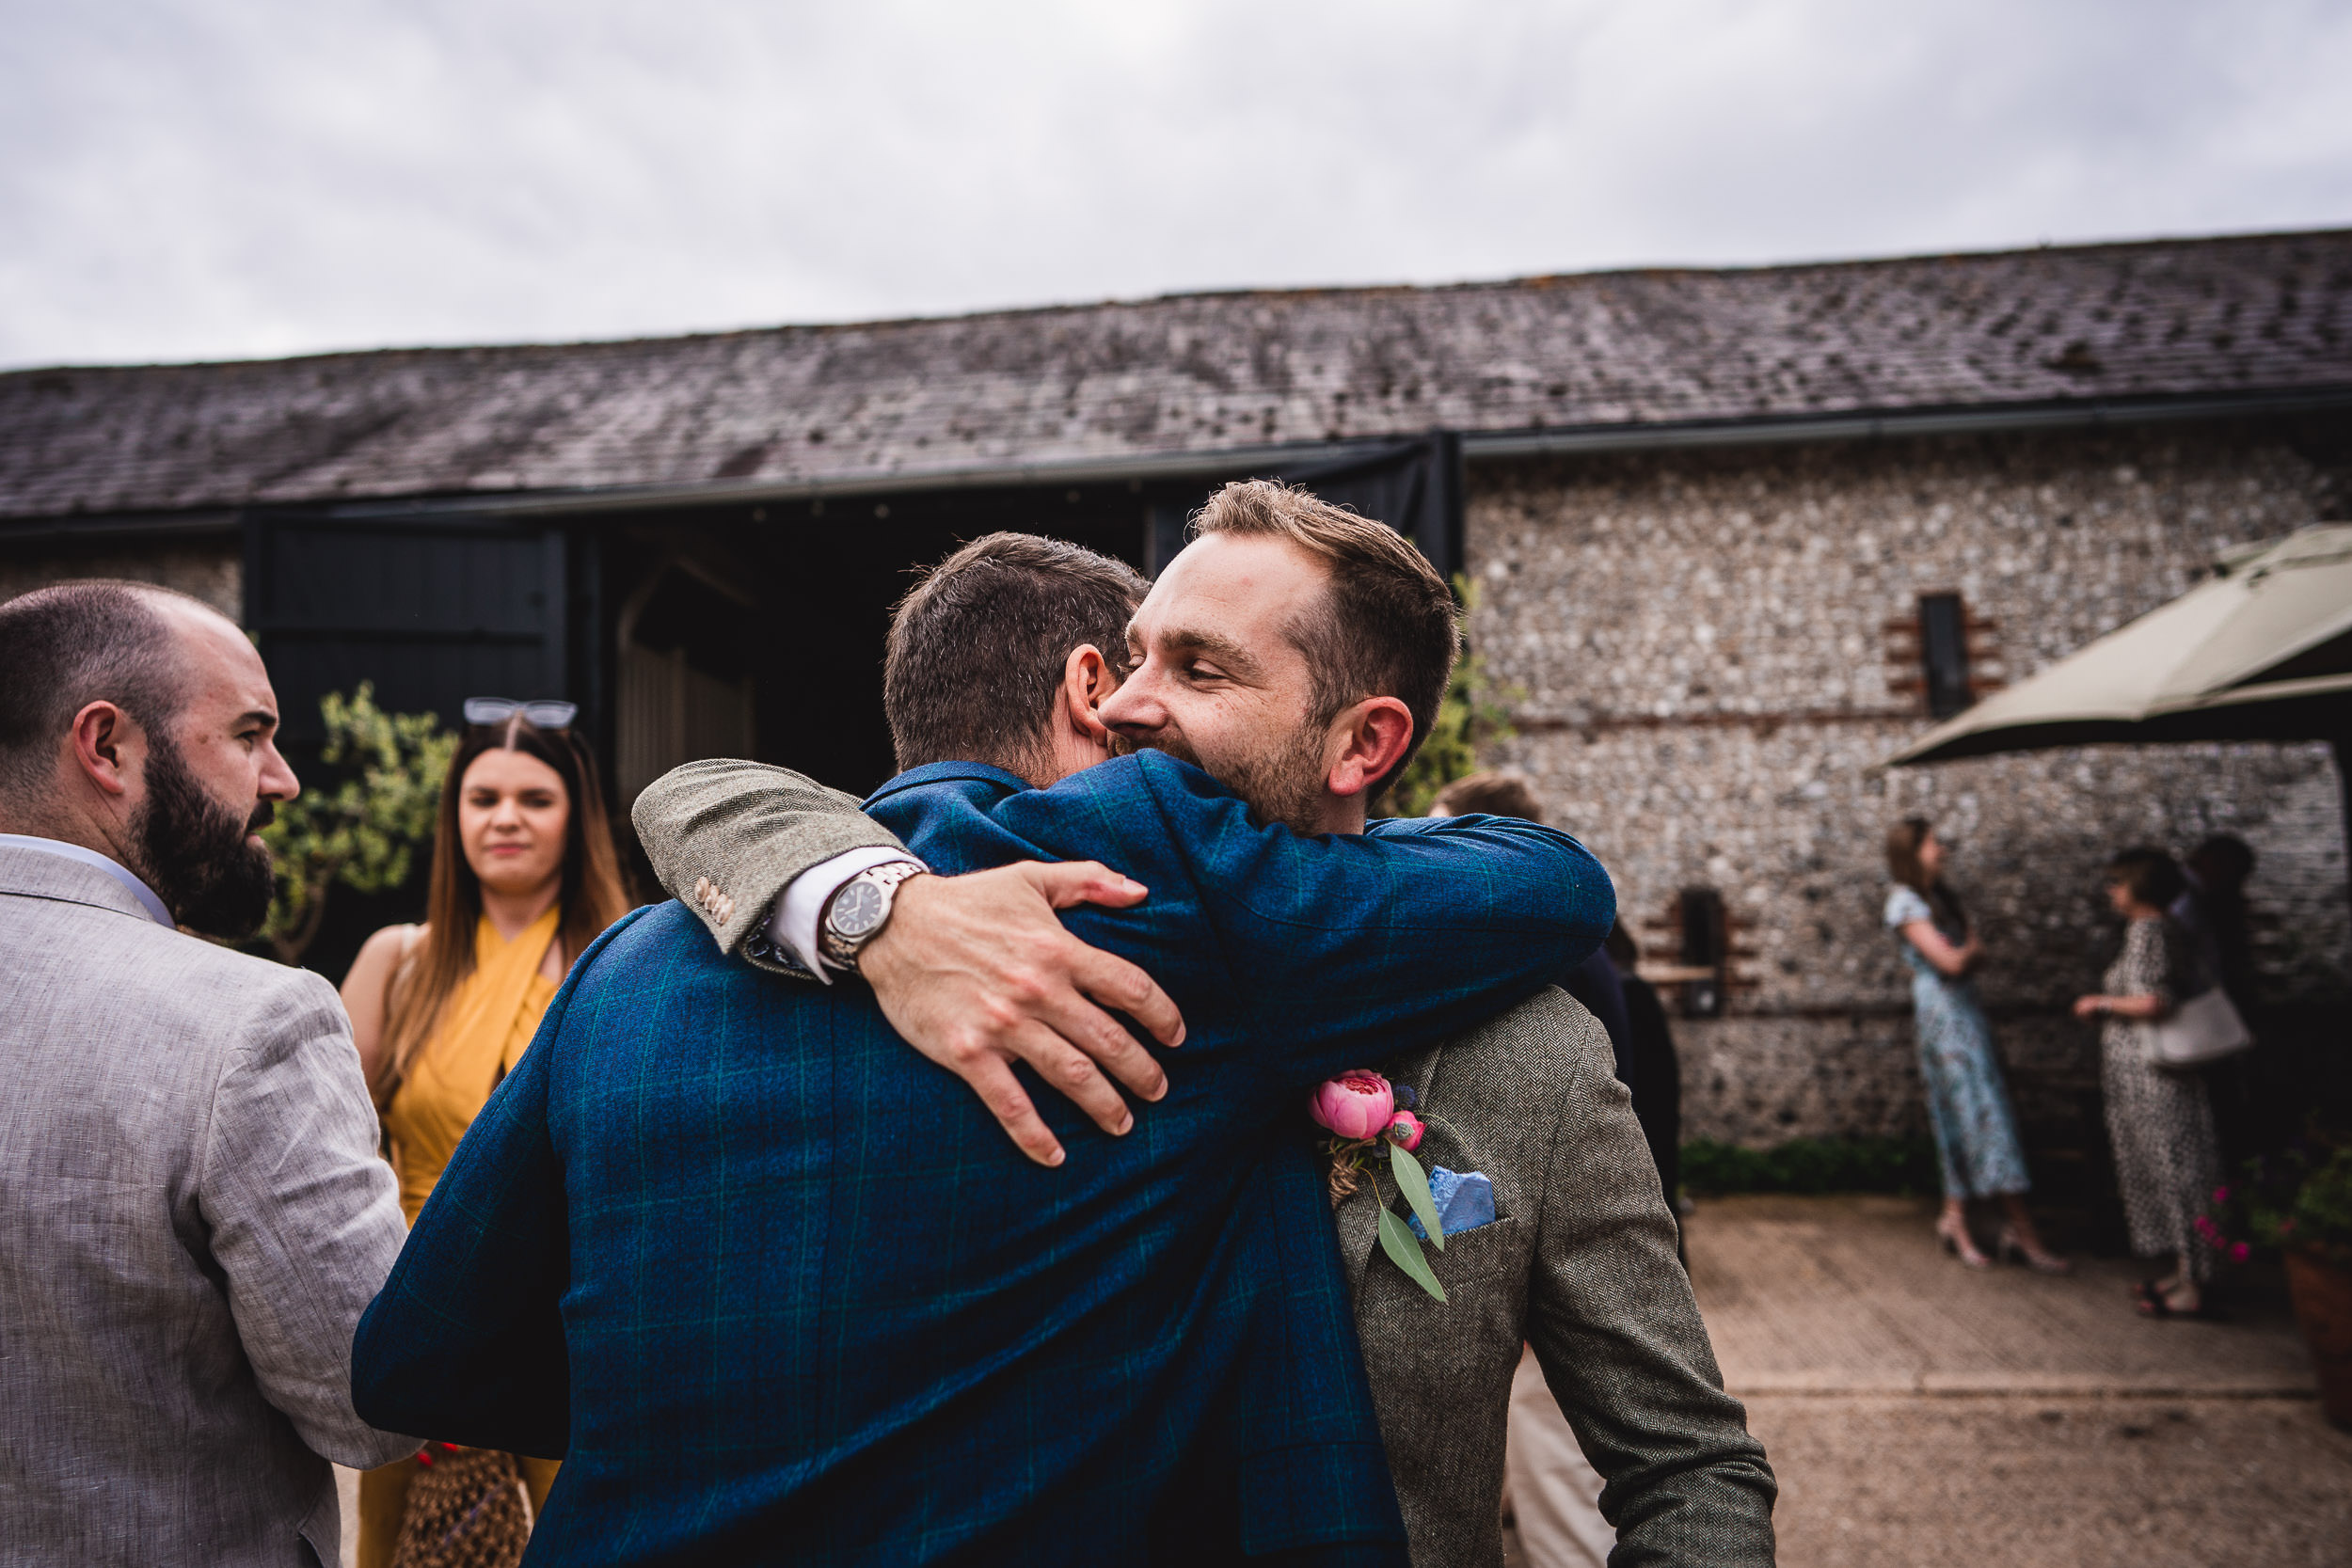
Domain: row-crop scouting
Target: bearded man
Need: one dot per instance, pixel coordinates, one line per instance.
(192, 1213)
(1279, 652)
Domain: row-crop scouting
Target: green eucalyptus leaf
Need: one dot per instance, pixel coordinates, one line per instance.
(1404, 1252)
(1414, 1183)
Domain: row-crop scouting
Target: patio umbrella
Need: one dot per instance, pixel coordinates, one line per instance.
(2262, 650)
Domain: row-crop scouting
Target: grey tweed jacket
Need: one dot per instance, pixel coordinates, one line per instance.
(1579, 1263)
(192, 1218)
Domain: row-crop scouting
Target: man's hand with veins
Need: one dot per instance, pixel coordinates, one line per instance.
(976, 973)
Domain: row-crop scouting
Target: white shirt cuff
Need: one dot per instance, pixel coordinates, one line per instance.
(793, 926)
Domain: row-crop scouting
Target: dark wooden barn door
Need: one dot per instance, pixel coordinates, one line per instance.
(431, 611)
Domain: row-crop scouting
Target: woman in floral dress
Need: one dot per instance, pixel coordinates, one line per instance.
(2167, 1160)
(1976, 1131)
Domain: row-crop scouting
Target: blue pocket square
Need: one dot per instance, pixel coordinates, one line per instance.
(1464, 1202)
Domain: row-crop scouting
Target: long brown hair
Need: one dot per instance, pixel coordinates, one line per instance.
(591, 896)
(1903, 842)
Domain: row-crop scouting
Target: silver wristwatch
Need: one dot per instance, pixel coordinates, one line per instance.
(858, 910)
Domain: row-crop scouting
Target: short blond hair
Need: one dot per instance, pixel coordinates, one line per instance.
(1389, 627)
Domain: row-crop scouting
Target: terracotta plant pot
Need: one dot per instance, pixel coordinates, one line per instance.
(2322, 1293)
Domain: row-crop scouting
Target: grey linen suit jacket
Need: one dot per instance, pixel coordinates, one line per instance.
(1579, 1262)
(192, 1218)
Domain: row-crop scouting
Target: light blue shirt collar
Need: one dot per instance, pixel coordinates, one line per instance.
(112, 867)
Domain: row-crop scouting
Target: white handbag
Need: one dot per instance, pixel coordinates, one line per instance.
(2202, 1029)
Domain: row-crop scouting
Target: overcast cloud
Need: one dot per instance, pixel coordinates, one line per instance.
(187, 179)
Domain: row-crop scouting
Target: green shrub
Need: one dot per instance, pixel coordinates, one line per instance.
(1905, 1166)
(1474, 713)
(363, 832)
(2322, 1216)
(2299, 1198)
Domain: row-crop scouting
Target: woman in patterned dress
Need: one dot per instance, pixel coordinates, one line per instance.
(2167, 1159)
(1975, 1132)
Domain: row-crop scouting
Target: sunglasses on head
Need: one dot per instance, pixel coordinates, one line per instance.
(548, 713)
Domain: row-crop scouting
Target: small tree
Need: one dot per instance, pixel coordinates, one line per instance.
(362, 834)
(1471, 715)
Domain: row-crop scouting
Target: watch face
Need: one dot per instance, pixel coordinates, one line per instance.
(856, 911)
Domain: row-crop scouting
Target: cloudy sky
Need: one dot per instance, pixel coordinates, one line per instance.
(197, 179)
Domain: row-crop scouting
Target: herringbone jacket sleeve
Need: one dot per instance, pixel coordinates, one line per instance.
(305, 1222)
(1612, 1322)
(748, 828)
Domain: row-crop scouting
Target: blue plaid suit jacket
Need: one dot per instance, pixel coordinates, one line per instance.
(776, 1287)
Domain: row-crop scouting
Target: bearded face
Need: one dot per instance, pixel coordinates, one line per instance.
(195, 848)
(1281, 782)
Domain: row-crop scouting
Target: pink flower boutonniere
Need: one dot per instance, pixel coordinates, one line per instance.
(1364, 1112)
(1355, 1105)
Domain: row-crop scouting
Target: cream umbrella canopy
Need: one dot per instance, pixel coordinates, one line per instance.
(2259, 651)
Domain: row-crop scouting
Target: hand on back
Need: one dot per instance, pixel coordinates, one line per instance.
(976, 973)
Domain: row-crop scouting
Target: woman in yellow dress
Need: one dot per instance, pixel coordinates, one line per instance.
(524, 877)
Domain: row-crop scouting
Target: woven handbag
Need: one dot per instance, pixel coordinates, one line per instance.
(467, 1510)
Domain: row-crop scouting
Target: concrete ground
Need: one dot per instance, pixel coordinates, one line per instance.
(1851, 1295)
(1922, 1414)
(1879, 1481)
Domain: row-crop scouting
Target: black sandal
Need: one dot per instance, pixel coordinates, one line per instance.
(2153, 1304)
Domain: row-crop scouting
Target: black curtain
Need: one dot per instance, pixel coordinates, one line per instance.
(1414, 486)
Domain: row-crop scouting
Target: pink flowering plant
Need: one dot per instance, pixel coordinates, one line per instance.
(1365, 1114)
(2298, 1200)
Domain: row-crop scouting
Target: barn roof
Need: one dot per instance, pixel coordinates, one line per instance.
(1189, 374)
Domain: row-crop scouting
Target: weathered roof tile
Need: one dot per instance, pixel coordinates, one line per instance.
(1187, 373)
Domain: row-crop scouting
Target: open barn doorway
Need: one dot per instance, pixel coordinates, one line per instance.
(756, 630)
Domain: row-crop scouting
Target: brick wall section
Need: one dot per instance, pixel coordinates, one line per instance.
(1700, 643)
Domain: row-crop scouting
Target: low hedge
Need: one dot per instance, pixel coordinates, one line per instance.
(1904, 1165)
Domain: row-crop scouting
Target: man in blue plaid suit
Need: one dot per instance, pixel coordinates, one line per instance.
(1275, 618)
(772, 1288)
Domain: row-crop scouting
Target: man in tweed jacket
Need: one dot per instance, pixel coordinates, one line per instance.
(192, 1213)
(1579, 1263)
(773, 1286)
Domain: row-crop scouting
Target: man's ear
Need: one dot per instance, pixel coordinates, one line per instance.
(108, 746)
(1086, 679)
(1367, 741)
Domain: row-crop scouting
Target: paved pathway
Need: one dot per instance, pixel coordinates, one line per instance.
(1918, 1412)
(1851, 1295)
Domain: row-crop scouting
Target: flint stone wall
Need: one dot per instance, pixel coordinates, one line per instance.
(1699, 645)
(213, 572)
